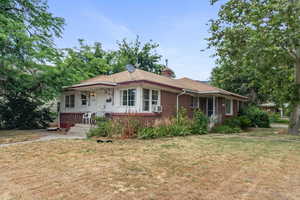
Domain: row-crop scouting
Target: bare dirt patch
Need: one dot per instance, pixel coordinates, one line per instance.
(195, 167)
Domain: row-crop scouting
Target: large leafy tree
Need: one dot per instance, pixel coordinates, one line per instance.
(26, 53)
(262, 37)
(26, 45)
(143, 56)
(86, 61)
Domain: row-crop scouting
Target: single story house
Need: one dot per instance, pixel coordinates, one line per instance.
(146, 95)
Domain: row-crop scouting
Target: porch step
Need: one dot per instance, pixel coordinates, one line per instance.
(79, 130)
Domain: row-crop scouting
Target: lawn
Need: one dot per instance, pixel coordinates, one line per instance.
(257, 165)
(12, 136)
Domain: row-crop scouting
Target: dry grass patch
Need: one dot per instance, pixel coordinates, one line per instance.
(12, 136)
(195, 167)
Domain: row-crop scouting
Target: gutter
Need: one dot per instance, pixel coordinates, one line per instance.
(177, 101)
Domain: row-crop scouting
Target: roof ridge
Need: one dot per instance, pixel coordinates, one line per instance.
(155, 74)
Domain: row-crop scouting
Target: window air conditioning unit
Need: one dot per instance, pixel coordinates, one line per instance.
(157, 109)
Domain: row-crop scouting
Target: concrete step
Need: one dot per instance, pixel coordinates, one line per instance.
(83, 125)
(79, 130)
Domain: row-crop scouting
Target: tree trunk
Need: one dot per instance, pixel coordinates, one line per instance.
(295, 114)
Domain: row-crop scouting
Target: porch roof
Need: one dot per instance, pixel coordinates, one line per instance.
(91, 85)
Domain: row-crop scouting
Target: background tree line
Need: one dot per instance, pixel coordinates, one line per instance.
(33, 70)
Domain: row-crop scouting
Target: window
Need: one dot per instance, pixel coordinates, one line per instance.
(67, 101)
(194, 102)
(124, 97)
(154, 97)
(70, 101)
(128, 97)
(210, 106)
(146, 99)
(84, 99)
(150, 96)
(228, 106)
(131, 97)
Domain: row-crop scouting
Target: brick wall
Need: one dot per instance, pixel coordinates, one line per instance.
(70, 119)
(169, 104)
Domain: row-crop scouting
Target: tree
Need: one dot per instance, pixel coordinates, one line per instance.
(142, 56)
(27, 51)
(79, 63)
(87, 61)
(262, 36)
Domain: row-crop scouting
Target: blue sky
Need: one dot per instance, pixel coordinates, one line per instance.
(180, 28)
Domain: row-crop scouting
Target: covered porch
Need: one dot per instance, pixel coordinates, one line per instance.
(216, 107)
(81, 103)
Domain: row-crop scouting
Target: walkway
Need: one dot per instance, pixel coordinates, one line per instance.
(50, 136)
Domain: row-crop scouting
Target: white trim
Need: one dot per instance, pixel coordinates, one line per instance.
(121, 97)
(92, 83)
(150, 99)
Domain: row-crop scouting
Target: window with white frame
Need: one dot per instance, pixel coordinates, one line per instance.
(128, 97)
(84, 99)
(146, 99)
(228, 107)
(70, 101)
(150, 96)
(154, 97)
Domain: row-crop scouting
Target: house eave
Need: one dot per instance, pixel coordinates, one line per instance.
(219, 93)
(90, 85)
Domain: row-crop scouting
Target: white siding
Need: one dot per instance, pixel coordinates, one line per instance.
(100, 106)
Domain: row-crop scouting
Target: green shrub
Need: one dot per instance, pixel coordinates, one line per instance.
(179, 126)
(200, 123)
(245, 122)
(147, 133)
(18, 112)
(258, 117)
(232, 122)
(178, 130)
(282, 121)
(105, 128)
(225, 129)
(274, 117)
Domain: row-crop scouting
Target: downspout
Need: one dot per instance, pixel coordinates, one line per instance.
(177, 103)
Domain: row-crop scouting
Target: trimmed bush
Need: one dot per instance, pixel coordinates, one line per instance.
(258, 117)
(233, 122)
(245, 122)
(238, 122)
